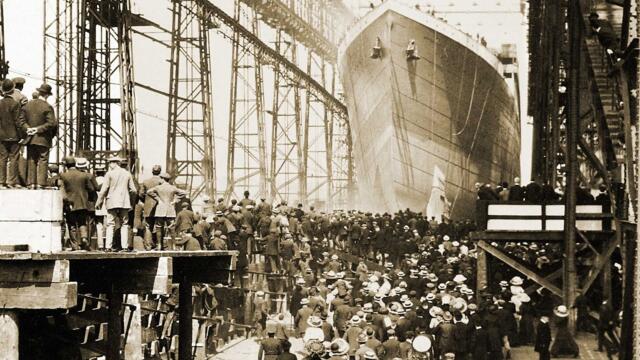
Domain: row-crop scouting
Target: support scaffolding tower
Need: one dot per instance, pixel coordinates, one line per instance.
(190, 148)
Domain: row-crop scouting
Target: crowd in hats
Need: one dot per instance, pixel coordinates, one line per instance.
(405, 289)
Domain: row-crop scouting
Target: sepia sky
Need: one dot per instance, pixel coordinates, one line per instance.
(24, 50)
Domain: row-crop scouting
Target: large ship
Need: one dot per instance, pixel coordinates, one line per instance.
(431, 113)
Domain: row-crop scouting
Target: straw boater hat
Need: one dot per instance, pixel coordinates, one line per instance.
(331, 275)
(561, 311)
(447, 316)
(367, 308)
(459, 304)
(459, 279)
(435, 311)
(314, 321)
(407, 304)
(370, 355)
(421, 344)
(314, 347)
(339, 347)
(355, 320)
(431, 296)
(504, 283)
(516, 281)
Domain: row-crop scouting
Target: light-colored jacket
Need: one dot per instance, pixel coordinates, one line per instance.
(166, 195)
(117, 185)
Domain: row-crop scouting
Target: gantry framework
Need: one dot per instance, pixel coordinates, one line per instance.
(288, 139)
(190, 148)
(88, 48)
(585, 122)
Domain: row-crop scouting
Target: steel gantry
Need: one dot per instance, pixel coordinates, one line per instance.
(247, 151)
(88, 57)
(190, 148)
(307, 117)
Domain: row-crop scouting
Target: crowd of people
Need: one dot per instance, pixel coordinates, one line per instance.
(411, 294)
(537, 193)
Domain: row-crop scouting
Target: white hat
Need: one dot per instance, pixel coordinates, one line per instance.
(446, 238)
(459, 279)
(561, 311)
(516, 281)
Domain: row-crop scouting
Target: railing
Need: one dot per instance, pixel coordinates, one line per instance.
(522, 216)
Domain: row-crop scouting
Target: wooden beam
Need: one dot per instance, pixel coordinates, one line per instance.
(515, 265)
(551, 277)
(128, 275)
(20, 295)
(481, 275)
(601, 260)
(586, 240)
(114, 328)
(207, 270)
(515, 236)
(185, 314)
(54, 271)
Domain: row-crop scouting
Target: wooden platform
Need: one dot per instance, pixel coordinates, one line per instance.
(34, 281)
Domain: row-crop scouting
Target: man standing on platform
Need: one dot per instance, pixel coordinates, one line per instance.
(11, 125)
(150, 203)
(117, 189)
(167, 196)
(41, 127)
(17, 94)
(78, 189)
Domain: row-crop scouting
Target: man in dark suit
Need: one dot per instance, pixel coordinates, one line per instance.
(286, 355)
(391, 346)
(11, 124)
(479, 342)
(543, 338)
(603, 29)
(41, 127)
(78, 188)
(533, 192)
(270, 347)
(150, 204)
(516, 192)
(272, 250)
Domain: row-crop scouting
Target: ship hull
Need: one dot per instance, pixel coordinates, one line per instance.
(425, 131)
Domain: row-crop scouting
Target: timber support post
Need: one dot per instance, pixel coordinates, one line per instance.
(573, 118)
(185, 317)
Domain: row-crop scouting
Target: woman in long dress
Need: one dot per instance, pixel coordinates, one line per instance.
(564, 344)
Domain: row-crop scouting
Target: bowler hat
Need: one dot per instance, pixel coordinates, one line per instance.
(44, 89)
